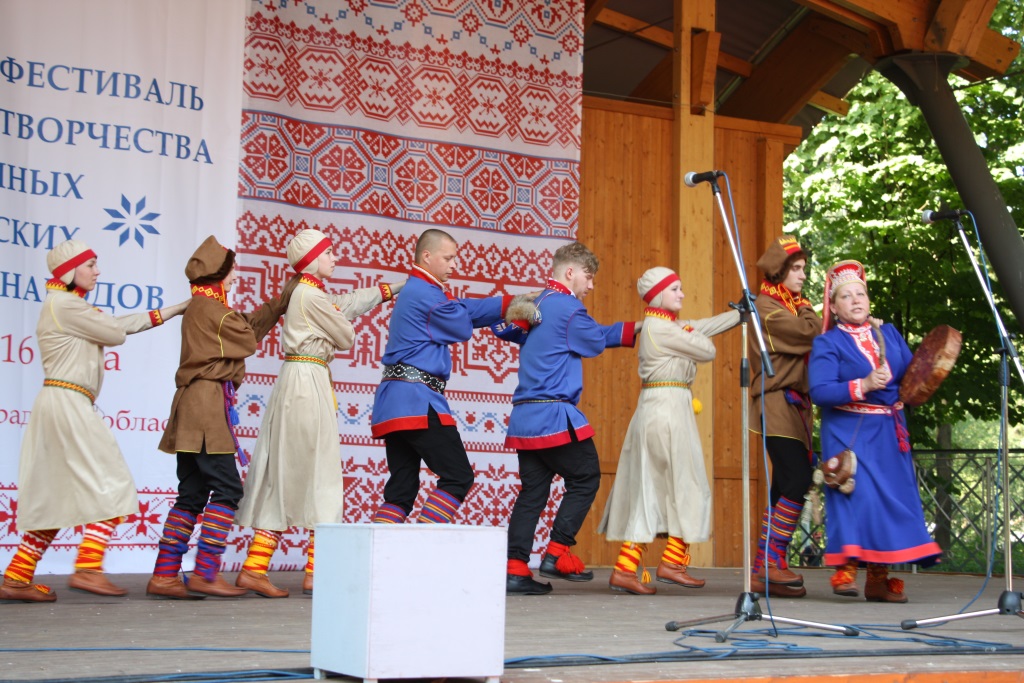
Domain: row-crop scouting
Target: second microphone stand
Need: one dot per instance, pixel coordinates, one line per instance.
(747, 607)
(1010, 602)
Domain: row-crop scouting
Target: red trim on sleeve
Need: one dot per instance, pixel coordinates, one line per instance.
(856, 390)
(506, 301)
(155, 317)
(629, 334)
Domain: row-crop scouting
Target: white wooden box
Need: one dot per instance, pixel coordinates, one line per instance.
(409, 601)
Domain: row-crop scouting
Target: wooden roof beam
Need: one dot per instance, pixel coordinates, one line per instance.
(703, 64)
(879, 41)
(790, 75)
(955, 26)
(591, 10)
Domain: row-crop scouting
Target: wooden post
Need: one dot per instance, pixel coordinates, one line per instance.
(693, 215)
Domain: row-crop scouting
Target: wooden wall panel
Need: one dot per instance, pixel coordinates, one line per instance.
(625, 207)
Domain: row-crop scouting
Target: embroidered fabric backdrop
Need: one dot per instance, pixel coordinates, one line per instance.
(371, 121)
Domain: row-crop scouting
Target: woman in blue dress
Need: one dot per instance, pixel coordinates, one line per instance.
(855, 371)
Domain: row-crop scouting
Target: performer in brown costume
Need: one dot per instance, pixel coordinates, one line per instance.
(215, 341)
(790, 326)
(71, 472)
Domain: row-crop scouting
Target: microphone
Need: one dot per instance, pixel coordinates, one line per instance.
(932, 216)
(694, 179)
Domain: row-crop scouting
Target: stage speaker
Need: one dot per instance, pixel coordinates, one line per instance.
(409, 601)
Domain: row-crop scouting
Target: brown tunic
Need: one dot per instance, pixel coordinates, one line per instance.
(788, 338)
(215, 341)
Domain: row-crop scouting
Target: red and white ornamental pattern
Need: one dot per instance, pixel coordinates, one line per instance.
(371, 120)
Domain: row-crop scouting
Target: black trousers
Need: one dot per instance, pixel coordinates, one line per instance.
(204, 477)
(577, 463)
(791, 469)
(440, 448)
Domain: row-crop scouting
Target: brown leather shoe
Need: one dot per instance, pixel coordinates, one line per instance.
(885, 591)
(848, 589)
(218, 588)
(781, 577)
(96, 582)
(627, 582)
(259, 584)
(170, 588)
(307, 584)
(676, 573)
(23, 591)
(776, 590)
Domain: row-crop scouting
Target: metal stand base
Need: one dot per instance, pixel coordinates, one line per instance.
(748, 609)
(1010, 603)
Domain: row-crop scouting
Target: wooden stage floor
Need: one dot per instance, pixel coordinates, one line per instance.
(580, 633)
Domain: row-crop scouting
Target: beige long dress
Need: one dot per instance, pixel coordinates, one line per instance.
(661, 485)
(295, 476)
(71, 470)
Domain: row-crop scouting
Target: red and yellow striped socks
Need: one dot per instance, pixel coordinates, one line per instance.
(261, 549)
(631, 557)
(309, 552)
(94, 544)
(677, 551)
(33, 544)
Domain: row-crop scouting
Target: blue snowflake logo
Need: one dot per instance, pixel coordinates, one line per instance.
(128, 221)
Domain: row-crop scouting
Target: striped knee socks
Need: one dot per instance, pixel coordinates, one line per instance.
(33, 544)
(261, 549)
(174, 542)
(94, 544)
(213, 538)
(439, 508)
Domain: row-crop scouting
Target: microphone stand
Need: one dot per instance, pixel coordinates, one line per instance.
(747, 607)
(1010, 602)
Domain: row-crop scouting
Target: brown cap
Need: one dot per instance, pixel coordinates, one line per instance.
(210, 263)
(774, 258)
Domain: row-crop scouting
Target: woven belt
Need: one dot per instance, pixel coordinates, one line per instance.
(408, 373)
(61, 384)
(666, 383)
(305, 359)
(870, 408)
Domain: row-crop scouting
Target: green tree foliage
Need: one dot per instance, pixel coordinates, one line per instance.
(856, 189)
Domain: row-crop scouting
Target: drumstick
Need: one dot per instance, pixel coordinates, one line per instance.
(880, 339)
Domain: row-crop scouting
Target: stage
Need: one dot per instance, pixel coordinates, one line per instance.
(580, 633)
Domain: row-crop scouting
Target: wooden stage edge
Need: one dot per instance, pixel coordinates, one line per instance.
(579, 633)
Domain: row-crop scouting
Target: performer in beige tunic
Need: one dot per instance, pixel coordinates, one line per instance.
(295, 477)
(72, 472)
(661, 486)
